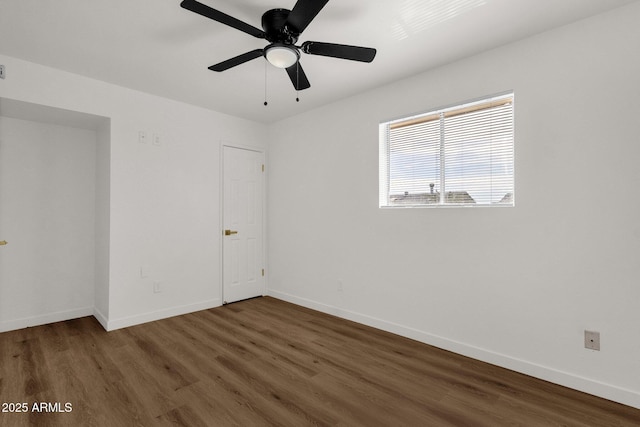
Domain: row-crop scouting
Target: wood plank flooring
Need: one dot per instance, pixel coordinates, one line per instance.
(266, 362)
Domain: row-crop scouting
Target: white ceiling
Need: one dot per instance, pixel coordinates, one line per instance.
(157, 47)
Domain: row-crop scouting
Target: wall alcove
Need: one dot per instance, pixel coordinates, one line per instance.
(54, 214)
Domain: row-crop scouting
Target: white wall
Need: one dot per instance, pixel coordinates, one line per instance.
(47, 204)
(102, 221)
(163, 201)
(512, 286)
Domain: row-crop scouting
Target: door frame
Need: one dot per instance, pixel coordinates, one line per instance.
(220, 230)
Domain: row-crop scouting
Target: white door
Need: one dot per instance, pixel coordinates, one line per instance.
(242, 247)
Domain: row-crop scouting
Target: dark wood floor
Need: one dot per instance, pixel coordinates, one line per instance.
(267, 362)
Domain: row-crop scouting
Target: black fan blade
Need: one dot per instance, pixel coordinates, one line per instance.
(303, 13)
(343, 51)
(298, 77)
(223, 18)
(240, 59)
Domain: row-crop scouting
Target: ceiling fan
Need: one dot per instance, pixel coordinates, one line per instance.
(281, 28)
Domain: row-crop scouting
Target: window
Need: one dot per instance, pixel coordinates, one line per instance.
(464, 153)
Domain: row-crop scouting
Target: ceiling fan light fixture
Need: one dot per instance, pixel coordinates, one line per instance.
(282, 28)
(282, 56)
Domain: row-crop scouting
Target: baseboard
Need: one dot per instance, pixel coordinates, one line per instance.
(101, 318)
(138, 319)
(596, 388)
(43, 319)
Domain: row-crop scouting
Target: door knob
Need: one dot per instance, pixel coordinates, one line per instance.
(230, 232)
(3, 242)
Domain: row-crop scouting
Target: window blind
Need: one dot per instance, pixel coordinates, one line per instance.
(462, 155)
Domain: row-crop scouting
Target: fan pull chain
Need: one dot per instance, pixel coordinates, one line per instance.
(297, 81)
(265, 84)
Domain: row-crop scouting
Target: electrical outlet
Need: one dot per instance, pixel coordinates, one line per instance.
(592, 340)
(156, 288)
(156, 140)
(340, 286)
(2, 72)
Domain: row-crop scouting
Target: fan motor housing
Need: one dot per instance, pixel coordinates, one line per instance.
(274, 24)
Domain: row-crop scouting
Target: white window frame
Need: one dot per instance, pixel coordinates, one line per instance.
(500, 145)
